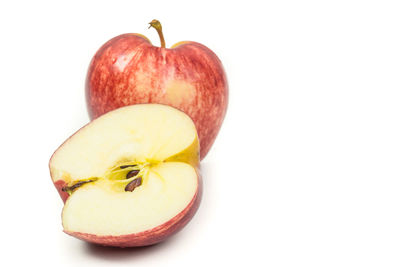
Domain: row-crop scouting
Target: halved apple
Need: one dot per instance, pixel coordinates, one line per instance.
(130, 177)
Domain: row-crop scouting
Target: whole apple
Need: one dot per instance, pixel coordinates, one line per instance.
(129, 70)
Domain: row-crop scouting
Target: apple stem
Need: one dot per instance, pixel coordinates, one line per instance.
(70, 189)
(157, 25)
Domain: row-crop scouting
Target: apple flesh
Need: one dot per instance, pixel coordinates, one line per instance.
(130, 177)
(128, 70)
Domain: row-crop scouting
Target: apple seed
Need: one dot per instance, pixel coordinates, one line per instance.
(127, 166)
(132, 174)
(133, 184)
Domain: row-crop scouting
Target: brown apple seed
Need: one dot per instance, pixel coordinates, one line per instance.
(133, 184)
(127, 166)
(132, 173)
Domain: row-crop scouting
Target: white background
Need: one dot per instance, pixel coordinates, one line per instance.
(305, 170)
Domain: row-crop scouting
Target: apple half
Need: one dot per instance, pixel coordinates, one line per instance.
(130, 177)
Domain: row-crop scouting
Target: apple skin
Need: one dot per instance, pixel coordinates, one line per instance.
(59, 185)
(128, 70)
(152, 236)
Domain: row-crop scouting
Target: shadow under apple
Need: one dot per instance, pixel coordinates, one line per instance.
(122, 254)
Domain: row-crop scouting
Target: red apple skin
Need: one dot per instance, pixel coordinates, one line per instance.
(59, 184)
(128, 70)
(152, 236)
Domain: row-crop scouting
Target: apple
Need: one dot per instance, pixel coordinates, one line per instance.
(128, 70)
(130, 177)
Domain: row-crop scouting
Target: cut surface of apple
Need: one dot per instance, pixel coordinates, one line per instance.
(130, 177)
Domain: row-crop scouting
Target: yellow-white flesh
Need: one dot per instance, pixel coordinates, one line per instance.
(145, 134)
(95, 209)
(148, 132)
